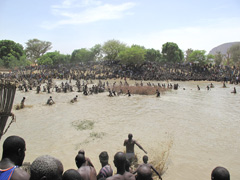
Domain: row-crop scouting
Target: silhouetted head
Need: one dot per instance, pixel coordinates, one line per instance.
(144, 173)
(145, 159)
(103, 157)
(220, 173)
(81, 151)
(45, 168)
(14, 148)
(130, 136)
(71, 174)
(80, 159)
(119, 160)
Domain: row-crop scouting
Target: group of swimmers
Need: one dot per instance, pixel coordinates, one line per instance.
(50, 168)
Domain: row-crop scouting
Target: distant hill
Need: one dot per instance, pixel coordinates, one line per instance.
(222, 48)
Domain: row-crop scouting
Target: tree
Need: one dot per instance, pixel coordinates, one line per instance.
(152, 55)
(82, 55)
(53, 58)
(235, 54)
(218, 58)
(36, 48)
(112, 48)
(198, 56)
(172, 53)
(97, 52)
(188, 52)
(132, 55)
(10, 51)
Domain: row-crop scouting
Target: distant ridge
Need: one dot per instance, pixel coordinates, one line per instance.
(222, 48)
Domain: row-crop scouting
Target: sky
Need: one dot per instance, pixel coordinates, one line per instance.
(76, 24)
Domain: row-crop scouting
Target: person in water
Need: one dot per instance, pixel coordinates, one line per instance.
(234, 90)
(22, 103)
(129, 143)
(158, 93)
(145, 163)
(128, 93)
(50, 101)
(13, 154)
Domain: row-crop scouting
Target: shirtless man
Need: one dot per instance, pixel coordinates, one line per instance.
(129, 143)
(86, 172)
(122, 174)
(88, 162)
(220, 173)
(145, 163)
(12, 157)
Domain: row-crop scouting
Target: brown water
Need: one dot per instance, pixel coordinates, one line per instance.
(189, 131)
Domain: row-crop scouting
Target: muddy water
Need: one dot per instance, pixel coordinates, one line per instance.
(190, 132)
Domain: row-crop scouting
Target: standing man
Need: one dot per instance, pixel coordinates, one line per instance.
(106, 170)
(14, 148)
(129, 143)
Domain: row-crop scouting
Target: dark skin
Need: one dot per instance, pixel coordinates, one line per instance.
(129, 143)
(86, 172)
(122, 174)
(145, 163)
(14, 160)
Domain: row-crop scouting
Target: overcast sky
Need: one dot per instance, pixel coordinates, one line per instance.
(75, 24)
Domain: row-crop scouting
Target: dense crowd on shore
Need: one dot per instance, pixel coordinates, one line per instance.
(47, 167)
(113, 70)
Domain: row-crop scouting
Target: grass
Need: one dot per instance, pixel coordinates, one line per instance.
(83, 125)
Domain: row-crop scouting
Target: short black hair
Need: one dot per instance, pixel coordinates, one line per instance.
(220, 173)
(12, 144)
(71, 174)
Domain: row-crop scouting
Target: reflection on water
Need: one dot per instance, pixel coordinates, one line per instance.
(186, 133)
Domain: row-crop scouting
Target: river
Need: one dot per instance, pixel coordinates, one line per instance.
(187, 132)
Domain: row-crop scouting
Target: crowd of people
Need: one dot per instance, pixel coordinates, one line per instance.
(47, 167)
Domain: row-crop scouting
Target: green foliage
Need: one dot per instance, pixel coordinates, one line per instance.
(10, 53)
(83, 125)
(36, 48)
(132, 55)
(218, 58)
(112, 48)
(82, 55)
(53, 58)
(198, 56)
(235, 54)
(172, 53)
(153, 55)
(97, 52)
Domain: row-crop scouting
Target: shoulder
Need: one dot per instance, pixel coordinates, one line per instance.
(129, 176)
(20, 174)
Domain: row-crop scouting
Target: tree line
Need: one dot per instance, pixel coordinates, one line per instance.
(13, 54)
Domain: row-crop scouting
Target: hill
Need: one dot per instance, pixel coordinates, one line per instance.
(222, 48)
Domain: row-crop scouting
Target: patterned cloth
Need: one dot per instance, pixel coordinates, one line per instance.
(6, 174)
(106, 171)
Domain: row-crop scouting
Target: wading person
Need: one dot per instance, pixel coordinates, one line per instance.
(129, 143)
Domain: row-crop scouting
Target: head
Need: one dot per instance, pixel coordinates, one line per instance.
(145, 159)
(81, 151)
(144, 173)
(14, 148)
(79, 160)
(71, 174)
(220, 173)
(50, 97)
(103, 157)
(130, 136)
(45, 168)
(119, 160)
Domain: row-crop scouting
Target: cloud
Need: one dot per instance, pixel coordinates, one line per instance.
(205, 37)
(72, 12)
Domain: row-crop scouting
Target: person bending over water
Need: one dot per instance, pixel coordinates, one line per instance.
(234, 90)
(129, 143)
(50, 101)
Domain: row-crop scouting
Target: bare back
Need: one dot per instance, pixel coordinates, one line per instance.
(125, 176)
(87, 173)
(129, 145)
